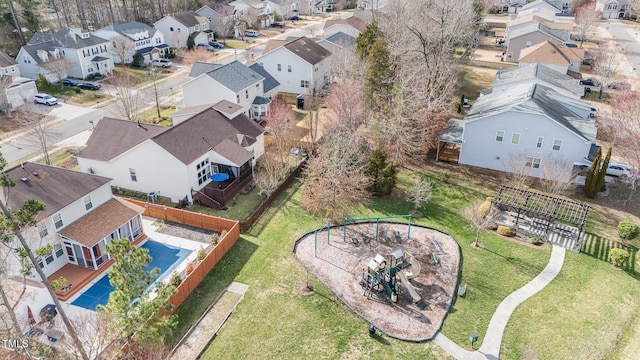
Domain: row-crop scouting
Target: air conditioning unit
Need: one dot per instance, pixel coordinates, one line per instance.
(152, 197)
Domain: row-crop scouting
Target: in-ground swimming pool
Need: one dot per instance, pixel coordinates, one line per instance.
(164, 257)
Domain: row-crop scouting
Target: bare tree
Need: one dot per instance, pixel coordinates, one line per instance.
(198, 54)
(153, 89)
(345, 105)
(127, 97)
(623, 123)
(481, 214)
(59, 68)
(271, 172)
(420, 193)
(335, 181)
(586, 19)
(123, 49)
(96, 332)
(37, 128)
(279, 125)
(11, 292)
(518, 169)
(5, 102)
(607, 62)
(558, 176)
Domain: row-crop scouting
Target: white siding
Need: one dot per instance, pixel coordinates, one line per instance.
(480, 148)
(204, 90)
(289, 81)
(176, 38)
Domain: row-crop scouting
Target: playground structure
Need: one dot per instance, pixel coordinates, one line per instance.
(382, 276)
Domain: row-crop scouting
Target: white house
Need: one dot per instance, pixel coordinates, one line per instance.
(143, 40)
(221, 18)
(352, 26)
(15, 90)
(529, 129)
(256, 13)
(323, 6)
(80, 219)
(613, 9)
(234, 82)
(77, 51)
(300, 66)
(531, 74)
(176, 162)
(560, 57)
(179, 26)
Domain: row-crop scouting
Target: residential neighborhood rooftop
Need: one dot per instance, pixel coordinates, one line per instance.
(235, 76)
(308, 50)
(269, 82)
(538, 72)
(550, 53)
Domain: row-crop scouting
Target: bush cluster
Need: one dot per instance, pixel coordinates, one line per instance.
(506, 231)
(628, 230)
(618, 256)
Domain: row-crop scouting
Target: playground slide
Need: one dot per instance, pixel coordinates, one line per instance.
(412, 290)
(415, 269)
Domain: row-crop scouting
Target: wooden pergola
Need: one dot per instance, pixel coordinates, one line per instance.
(541, 206)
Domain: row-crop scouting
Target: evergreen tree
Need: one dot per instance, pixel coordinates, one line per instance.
(30, 15)
(130, 302)
(590, 181)
(383, 174)
(365, 40)
(191, 43)
(378, 85)
(603, 172)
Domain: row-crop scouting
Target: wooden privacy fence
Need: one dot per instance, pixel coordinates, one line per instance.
(214, 223)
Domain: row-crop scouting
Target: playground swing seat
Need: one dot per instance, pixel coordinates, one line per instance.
(398, 236)
(366, 239)
(435, 259)
(354, 240)
(387, 238)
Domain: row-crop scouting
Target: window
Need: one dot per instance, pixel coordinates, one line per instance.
(49, 258)
(171, 28)
(557, 144)
(57, 220)
(246, 94)
(57, 249)
(132, 173)
(42, 228)
(204, 171)
(528, 44)
(539, 143)
(613, 6)
(532, 162)
(304, 83)
(258, 87)
(500, 136)
(87, 202)
(237, 99)
(279, 67)
(288, 68)
(515, 138)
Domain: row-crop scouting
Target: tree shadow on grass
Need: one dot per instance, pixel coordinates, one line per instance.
(279, 204)
(598, 247)
(212, 286)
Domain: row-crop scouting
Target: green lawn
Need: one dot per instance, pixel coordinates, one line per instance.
(151, 116)
(276, 319)
(239, 208)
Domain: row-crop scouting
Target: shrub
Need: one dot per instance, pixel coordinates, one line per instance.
(214, 239)
(618, 256)
(90, 77)
(176, 279)
(536, 241)
(137, 61)
(43, 84)
(628, 230)
(493, 226)
(201, 254)
(189, 269)
(484, 208)
(505, 231)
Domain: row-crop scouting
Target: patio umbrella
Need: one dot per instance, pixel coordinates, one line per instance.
(48, 312)
(220, 177)
(32, 319)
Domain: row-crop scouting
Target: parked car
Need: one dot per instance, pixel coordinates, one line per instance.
(69, 82)
(164, 63)
(252, 33)
(619, 85)
(571, 45)
(294, 18)
(589, 82)
(619, 170)
(277, 24)
(89, 85)
(46, 99)
(217, 45)
(206, 47)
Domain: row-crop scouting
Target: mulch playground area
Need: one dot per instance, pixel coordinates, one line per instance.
(339, 265)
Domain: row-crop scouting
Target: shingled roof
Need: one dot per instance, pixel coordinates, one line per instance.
(55, 187)
(235, 76)
(130, 28)
(187, 18)
(6, 60)
(307, 50)
(356, 22)
(66, 38)
(269, 82)
(539, 72)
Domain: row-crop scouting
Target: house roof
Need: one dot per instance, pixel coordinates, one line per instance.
(130, 28)
(55, 187)
(192, 138)
(355, 22)
(227, 107)
(538, 99)
(557, 34)
(222, 9)
(259, 100)
(453, 131)
(269, 82)
(191, 110)
(550, 53)
(235, 76)
(6, 60)
(273, 44)
(187, 18)
(112, 137)
(342, 39)
(100, 222)
(542, 20)
(307, 50)
(540, 72)
(198, 68)
(67, 38)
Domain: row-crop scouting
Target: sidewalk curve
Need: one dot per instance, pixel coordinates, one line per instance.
(490, 348)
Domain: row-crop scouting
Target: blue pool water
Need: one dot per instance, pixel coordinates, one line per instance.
(163, 256)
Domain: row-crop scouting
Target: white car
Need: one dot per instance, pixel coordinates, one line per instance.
(614, 169)
(164, 63)
(45, 99)
(252, 33)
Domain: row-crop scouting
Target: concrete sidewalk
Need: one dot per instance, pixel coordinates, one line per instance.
(490, 348)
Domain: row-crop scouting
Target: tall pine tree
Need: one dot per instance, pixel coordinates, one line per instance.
(378, 78)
